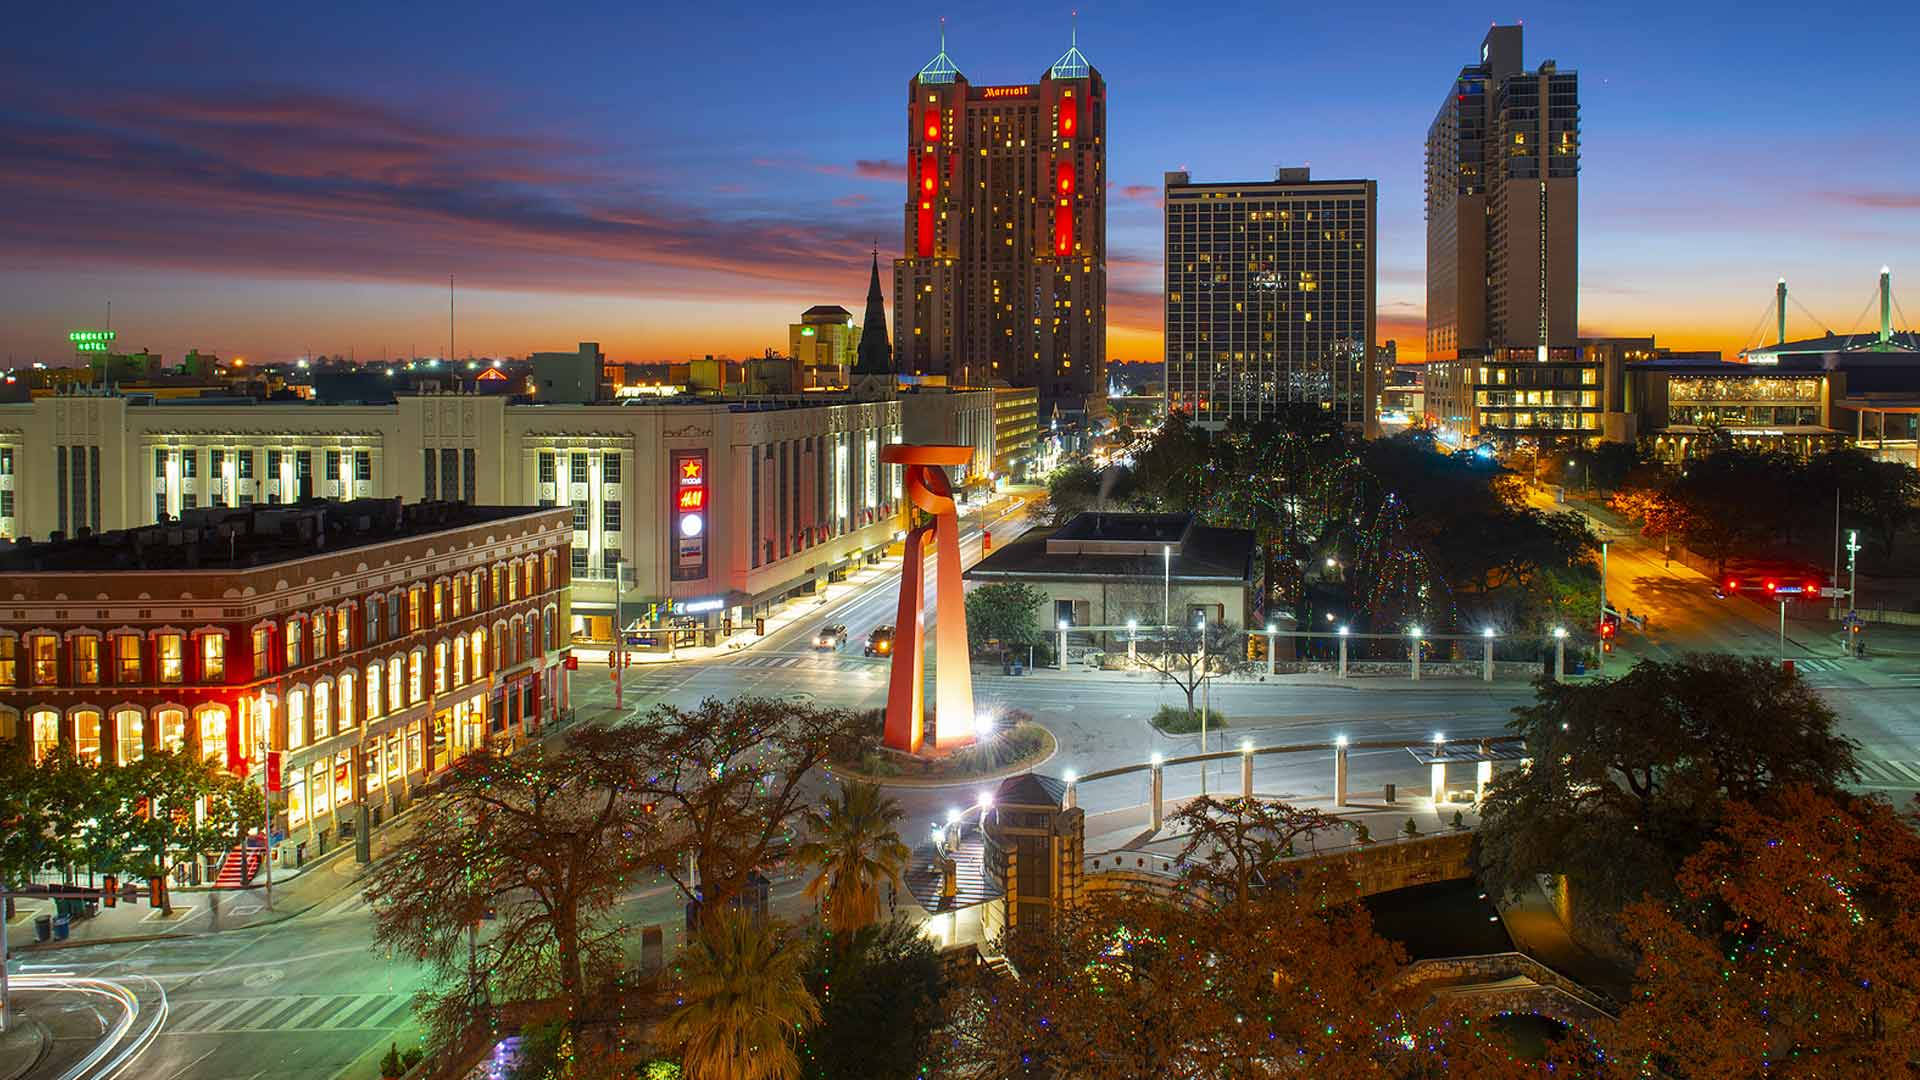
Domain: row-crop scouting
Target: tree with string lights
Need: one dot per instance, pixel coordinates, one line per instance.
(1791, 949)
(536, 847)
(733, 779)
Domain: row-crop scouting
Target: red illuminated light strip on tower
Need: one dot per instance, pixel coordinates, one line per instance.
(1063, 210)
(926, 185)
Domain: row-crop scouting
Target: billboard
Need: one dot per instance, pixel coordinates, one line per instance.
(687, 495)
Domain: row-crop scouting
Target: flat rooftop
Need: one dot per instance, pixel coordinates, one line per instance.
(248, 537)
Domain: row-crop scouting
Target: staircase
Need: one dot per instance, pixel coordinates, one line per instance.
(238, 867)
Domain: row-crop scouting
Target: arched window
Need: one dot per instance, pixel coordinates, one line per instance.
(9, 723)
(9, 660)
(86, 733)
(372, 631)
(130, 735)
(319, 625)
(343, 627)
(373, 691)
(348, 703)
(170, 724)
(296, 718)
(439, 602)
(478, 660)
(213, 733)
(44, 724)
(499, 644)
(322, 709)
(546, 570)
(459, 595)
(396, 686)
(522, 643)
(293, 640)
(459, 661)
(534, 638)
(473, 590)
(439, 667)
(552, 622)
(416, 676)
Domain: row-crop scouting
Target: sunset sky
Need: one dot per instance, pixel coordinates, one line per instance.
(266, 181)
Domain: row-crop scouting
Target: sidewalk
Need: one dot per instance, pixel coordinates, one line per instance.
(320, 880)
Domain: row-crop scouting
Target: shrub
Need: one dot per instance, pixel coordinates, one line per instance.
(1177, 720)
(1362, 834)
(1458, 821)
(1410, 828)
(390, 1064)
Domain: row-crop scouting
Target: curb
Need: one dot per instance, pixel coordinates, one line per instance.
(279, 916)
(43, 1041)
(1053, 751)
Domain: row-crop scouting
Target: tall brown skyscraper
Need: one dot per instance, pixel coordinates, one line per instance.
(1503, 206)
(1005, 274)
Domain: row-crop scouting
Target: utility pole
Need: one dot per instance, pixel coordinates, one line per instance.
(1206, 700)
(1600, 650)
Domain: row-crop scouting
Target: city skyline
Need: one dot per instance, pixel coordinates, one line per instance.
(236, 186)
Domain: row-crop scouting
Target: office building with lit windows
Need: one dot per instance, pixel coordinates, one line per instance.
(1004, 276)
(1269, 294)
(364, 645)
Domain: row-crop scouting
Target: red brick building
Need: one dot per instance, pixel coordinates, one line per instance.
(368, 643)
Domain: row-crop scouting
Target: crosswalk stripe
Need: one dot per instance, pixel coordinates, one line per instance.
(357, 900)
(380, 1018)
(339, 1018)
(358, 1017)
(218, 1019)
(1904, 770)
(298, 1017)
(180, 1015)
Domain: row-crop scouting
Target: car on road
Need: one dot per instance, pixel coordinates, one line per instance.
(880, 642)
(831, 636)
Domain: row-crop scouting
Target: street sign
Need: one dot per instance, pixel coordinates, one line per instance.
(1831, 591)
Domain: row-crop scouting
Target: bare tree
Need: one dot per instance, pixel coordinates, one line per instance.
(1236, 847)
(1189, 656)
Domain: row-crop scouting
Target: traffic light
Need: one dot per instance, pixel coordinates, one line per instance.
(1771, 586)
(1608, 627)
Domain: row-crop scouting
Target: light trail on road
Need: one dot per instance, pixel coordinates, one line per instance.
(125, 1039)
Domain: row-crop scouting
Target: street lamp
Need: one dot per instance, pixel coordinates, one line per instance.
(1166, 585)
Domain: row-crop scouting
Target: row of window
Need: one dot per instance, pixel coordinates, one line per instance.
(123, 730)
(188, 462)
(314, 711)
(577, 467)
(35, 659)
(94, 657)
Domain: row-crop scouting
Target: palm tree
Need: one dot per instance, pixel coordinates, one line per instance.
(741, 1001)
(855, 845)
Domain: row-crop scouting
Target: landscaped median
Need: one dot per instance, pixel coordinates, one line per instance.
(1011, 743)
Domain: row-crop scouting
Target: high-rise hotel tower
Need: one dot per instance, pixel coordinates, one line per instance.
(1503, 206)
(1004, 276)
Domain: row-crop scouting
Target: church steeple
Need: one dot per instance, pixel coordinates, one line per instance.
(876, 350)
